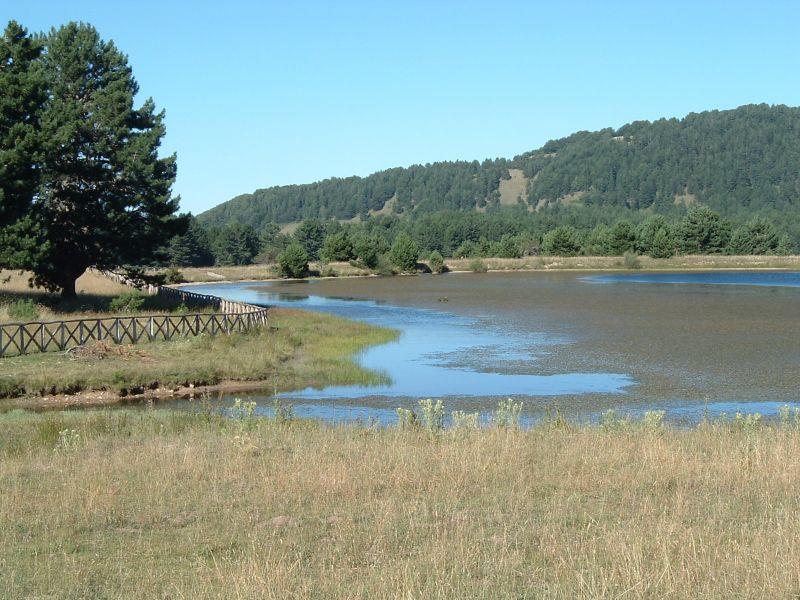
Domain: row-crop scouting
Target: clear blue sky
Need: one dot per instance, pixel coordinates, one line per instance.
(269, 93)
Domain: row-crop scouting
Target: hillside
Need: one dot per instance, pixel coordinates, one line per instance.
(738, 162)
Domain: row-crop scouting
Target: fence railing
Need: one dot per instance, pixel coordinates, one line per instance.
(50, 336)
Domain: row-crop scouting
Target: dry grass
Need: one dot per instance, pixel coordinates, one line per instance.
(166, 505)
(242, 273)
(588, 263)
(513, 189)
(264, 272)
(95, 292)
(90, 282)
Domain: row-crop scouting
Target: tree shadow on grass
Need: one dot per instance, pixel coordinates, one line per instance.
(84, 302)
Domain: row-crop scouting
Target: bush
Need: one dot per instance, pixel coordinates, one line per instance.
(631, 261)
(173, 276)
(432, 415)
(23, 310)
(127, 302)
(478, 266)
(436, 262)
(404, 253)
(293, 261)
(384, 266)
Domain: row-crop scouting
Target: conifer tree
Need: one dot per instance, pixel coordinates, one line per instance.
(23, 92)
(103, 197)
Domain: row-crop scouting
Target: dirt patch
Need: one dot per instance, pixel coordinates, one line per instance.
(105, 349)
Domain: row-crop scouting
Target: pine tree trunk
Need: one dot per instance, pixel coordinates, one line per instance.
(68, 288)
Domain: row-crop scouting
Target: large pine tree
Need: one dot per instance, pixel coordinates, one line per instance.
(104, 195)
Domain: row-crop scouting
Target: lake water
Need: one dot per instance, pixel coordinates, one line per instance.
(689, 343)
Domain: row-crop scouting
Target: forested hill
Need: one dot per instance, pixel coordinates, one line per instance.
(738, 162)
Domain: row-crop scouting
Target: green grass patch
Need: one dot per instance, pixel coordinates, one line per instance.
(301, 349)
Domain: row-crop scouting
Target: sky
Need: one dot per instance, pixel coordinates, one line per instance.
(261, 93)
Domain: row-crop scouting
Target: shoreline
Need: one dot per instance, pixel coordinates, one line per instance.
(140, 395)
(577, 264)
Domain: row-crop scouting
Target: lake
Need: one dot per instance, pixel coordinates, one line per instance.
(581, 343)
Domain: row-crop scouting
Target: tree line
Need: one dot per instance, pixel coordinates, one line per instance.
(397, 242)
(81, 182)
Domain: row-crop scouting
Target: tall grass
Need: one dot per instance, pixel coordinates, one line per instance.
(155, 504)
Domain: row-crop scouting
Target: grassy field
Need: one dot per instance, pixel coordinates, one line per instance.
(154, 504)
(95, 293)
(301, 349)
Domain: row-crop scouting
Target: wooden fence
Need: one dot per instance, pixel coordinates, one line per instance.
(25, 338)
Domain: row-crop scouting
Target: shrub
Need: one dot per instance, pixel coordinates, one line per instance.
(561, 241)
(476, 265)
(282, 413)
(23, 310)
(127, 302)
(507, 414)
(789, 417)
(368, 248)
(404, 253)
(384, 266)
(654, 420)
(631, 261)
(173, 276)
(406, 418)
(432, 415)
(610, 421)
(293, 261)
(436, 262)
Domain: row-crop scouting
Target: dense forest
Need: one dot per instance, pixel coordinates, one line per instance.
(714, 182)
(741, 163)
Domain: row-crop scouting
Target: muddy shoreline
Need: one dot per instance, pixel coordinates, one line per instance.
(140, 395)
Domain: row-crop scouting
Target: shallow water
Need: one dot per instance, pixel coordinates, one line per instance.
(561, 340)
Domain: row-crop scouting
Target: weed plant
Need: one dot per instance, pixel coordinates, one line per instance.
(23, 311)
(431, 415)
(507, 414)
